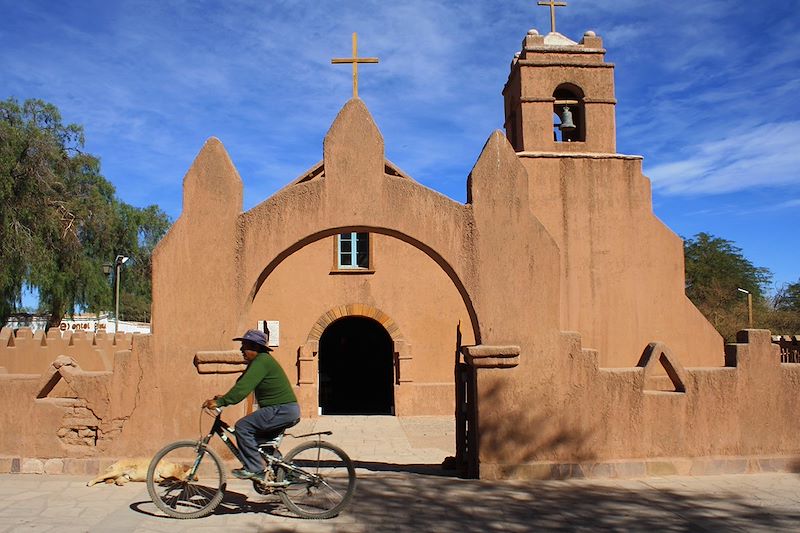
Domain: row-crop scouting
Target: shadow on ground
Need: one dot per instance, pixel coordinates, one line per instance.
(235, 502)
(429, 470)
(446, 505)
(395, 498)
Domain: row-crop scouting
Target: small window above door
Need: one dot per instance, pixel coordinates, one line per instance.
(353, 252)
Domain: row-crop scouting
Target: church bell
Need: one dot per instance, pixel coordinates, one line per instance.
(566, 120)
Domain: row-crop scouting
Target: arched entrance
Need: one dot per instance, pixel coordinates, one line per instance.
(356, 371)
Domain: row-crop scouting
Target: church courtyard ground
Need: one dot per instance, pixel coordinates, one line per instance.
(401, 488)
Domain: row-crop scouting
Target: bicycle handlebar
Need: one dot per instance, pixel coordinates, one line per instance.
(217, 409)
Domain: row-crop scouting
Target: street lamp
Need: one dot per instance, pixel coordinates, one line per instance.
(118, 262)
(749, 307)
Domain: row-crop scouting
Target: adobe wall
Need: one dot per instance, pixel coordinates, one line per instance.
(622, 269)
(25, 352)
(59, 408)
(132, 409)
(612, 422)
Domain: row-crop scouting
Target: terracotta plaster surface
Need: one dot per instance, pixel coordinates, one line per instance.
(555, 284)
(591, 414)
(417, 301)
(24, 352)
(599, 212)
(78, 413)
(538, 72)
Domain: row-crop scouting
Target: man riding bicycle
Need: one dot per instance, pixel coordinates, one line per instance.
(277, 403)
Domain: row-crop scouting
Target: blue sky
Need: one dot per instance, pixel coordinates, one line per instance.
(706, 93)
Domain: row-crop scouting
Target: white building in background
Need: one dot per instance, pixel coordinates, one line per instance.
(87, 322)
(24, 320)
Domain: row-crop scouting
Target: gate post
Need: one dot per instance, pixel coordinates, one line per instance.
(467, 423)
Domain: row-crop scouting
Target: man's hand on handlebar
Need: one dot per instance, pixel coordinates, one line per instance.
(210, 404)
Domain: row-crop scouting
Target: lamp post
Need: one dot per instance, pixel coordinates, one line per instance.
(118, 262)
(749, 307)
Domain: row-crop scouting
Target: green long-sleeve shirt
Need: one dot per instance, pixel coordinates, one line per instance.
(265, 376)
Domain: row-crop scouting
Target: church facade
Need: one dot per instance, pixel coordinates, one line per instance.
(373, 280)
(548, 311)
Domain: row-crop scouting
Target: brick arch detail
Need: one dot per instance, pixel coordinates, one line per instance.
(307, 354)
(354, 309)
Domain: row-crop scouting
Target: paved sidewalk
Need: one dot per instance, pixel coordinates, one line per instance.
(401, 488)
(404, 501)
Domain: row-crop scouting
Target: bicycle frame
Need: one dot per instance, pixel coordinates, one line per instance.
(222, 430)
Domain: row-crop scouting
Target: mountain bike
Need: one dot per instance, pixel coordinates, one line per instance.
(186, 479)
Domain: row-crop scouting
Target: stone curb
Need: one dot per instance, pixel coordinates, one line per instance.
(656, 467)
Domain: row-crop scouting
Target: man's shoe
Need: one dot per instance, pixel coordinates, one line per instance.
(243, 473)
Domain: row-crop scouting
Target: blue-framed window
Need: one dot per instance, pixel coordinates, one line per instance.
(353, 250)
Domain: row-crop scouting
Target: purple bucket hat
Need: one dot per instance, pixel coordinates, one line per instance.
(256, 336)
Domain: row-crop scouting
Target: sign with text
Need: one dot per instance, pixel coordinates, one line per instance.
(274, 328)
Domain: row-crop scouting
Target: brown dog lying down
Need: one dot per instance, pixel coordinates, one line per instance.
(136, 470)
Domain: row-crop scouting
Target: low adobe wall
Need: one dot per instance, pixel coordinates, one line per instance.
(143, 401)
(653, 419)
(553, 415)
(25, 352)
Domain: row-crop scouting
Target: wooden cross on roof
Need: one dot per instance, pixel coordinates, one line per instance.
(355, 60)
(553, 5)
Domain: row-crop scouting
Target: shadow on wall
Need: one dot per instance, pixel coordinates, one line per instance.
(529, 433)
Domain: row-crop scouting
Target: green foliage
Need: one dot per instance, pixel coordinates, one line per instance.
(139, 231)
(788, 298)
(784, 318)
(711, 261)
(716, 269)
(60, 219)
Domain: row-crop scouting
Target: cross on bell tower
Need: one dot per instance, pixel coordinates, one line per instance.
(553, 5)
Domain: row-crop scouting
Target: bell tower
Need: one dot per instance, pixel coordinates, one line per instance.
(559, 96)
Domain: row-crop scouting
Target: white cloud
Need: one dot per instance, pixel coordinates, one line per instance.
(761, 156)
(622, 34)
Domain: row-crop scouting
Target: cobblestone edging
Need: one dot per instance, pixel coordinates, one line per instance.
(28, 465)
(682, 466)
(67, 466)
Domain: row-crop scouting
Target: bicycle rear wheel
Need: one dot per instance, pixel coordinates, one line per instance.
(179, 494)
(324, 484)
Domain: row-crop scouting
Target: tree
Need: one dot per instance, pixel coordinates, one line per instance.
(60, 219)
(787, 298)
(715, 269)
(784, 317)
(139, 231)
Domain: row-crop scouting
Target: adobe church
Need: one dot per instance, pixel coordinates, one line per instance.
(548, 311)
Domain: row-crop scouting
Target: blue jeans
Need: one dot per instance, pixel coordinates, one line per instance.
(262, 420)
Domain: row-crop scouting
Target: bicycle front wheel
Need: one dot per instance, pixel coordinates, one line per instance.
(321, 482)
(186, 480)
